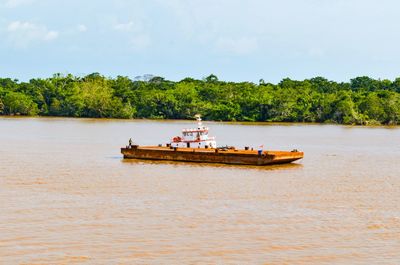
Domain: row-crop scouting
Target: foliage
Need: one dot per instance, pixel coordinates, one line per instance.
(363, 100)
(16, 103)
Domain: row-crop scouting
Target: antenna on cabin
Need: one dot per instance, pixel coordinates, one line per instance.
(198, 118)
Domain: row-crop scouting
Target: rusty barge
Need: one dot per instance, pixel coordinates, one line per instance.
(196, 146)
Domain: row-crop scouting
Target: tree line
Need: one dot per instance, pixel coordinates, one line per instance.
(363, 100)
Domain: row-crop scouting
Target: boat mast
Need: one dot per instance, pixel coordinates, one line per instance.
(198, 118)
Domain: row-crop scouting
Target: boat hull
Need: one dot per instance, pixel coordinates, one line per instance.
(205, 155)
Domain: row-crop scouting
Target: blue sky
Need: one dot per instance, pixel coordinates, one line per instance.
(235, 39)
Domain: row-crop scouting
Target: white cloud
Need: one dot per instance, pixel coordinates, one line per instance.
(17, 3)
(124, 26)
(50, 35)
(316, 52)
(135, 32)
(21, 34)
(140, 42)
(227, 25)
(82, 28)
(130, 26)
(238, 46)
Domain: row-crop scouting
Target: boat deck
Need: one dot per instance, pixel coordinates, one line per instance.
(219, 150)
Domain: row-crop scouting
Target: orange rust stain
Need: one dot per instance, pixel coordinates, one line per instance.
(227, 156)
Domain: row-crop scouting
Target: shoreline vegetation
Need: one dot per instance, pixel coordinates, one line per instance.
(362, 101)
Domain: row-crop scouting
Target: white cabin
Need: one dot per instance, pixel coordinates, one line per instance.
(194, 138)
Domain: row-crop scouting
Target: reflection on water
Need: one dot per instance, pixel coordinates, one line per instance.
(68, 197)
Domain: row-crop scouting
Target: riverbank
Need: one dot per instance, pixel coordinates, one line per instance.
(190, 121)
(362, 101)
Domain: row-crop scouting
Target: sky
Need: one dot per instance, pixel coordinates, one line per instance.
(237, 40)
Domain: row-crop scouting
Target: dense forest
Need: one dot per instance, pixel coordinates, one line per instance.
(363, 100)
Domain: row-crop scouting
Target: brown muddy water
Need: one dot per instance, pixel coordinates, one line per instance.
(68, 197)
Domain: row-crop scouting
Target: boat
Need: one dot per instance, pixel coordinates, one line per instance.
(195, 145)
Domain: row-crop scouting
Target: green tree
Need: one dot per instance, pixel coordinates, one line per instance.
(344, 109)
(16, 103)
(364, 83)
(98, 100)
(1, 107)
(211, 79)
(371, 106)
(363, 100)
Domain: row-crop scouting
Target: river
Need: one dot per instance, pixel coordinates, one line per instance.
(68, 197)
